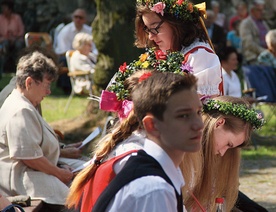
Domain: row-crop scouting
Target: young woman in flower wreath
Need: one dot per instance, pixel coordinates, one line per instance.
(177, 25)
(228, 123)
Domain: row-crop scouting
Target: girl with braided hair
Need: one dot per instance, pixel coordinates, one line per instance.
(121, 141)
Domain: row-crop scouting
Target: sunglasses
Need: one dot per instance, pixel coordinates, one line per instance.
(153, 31)
(78, 17)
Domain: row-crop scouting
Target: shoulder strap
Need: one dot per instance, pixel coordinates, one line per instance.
(96, 185)
(136, 167)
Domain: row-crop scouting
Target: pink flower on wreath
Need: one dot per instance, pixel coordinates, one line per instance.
(109, 102)
(158, 8)
(259, 116)
(205, 99)
(123, 67)
(186, 68)
(160, 55)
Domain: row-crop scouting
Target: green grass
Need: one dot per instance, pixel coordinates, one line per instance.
(269, 128)
(262, 152)
(5, 80)
(53, 107)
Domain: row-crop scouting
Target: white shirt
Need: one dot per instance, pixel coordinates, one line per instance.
(150, 193)
(82, 62)
(206, 67)
(231, 84)
(66, 36)
(220, 20)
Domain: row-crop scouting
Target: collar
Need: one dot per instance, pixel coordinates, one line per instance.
(174, 173)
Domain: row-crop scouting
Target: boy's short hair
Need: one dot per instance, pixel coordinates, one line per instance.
(152, 94)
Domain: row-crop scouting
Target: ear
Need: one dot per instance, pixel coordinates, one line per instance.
(28, 83)
(150, 125)
(220, 122)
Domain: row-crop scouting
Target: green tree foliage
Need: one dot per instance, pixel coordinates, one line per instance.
(113, 34)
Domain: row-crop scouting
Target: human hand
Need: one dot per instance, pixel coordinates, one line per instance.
(74, 145)
(70, 152)
(65, 175)
(66, 167)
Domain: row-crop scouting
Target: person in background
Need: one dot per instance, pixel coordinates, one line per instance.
(252, 32)
(66, 35)
(29, 149)
(216, 32)
(65, 40)
(241, 13)
(268, 56)
(219, 18)
(69, 154)
(228, 124)
(83, 60)
(11, 34)
(229, 62)
(233, 37)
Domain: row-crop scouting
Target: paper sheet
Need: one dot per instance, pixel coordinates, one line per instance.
(93, 135)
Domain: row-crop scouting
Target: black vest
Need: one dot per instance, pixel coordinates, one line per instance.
(136, 167)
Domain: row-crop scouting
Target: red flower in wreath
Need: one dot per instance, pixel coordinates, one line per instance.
(160, 55)
(123, 67)
(144, 76)
(179, 2)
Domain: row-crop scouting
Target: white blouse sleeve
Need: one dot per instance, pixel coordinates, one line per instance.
(207, 68)
(81, 62)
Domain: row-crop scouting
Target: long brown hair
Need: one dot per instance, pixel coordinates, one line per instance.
(219, 175)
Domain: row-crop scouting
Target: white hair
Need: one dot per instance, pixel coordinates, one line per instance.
(270, 38)
(81, 39)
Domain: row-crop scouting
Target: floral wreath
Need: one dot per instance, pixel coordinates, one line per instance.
(115, 97)
(180, 9)
(153, 59)
(238, 110)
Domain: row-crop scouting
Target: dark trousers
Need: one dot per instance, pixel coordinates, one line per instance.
(247, 205)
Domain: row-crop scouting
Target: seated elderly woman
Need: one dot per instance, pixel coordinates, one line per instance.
(268, 56)
(29, 149)
(83, 59)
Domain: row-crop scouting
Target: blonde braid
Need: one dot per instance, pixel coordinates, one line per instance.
(104, 147)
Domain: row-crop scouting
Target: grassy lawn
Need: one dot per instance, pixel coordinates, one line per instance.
(262, 152)
(53, 107)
